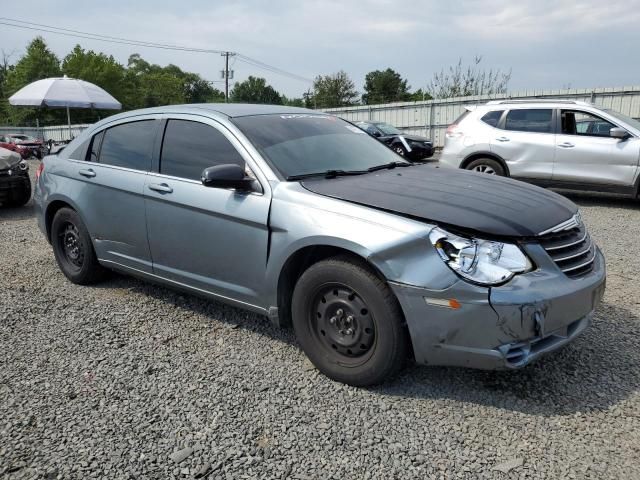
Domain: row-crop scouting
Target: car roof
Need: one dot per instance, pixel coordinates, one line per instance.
(549, 102)
(229, 110)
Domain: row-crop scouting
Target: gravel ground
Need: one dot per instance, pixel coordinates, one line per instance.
(130, 380)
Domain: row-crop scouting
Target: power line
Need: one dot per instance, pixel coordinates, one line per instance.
(90, 37)
(126, 41)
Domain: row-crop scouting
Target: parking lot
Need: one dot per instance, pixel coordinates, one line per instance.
(109, 381)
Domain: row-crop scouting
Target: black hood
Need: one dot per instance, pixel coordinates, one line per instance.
(471, 201)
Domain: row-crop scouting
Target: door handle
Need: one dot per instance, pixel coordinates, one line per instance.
(502, 139)
(89, 173)
(160, 187)
(566, 145)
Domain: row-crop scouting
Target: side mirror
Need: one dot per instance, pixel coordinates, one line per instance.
(620, 133)
(227, 176)
(377, 134)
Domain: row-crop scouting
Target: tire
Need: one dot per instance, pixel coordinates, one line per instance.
(73, 249)
(348, 322)
(20, 197)
(399, 149)
(488, 166)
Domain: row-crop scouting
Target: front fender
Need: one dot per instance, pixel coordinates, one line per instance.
(395, 246)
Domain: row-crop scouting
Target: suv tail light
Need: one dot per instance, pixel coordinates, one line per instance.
(453, 132)
(39, 170)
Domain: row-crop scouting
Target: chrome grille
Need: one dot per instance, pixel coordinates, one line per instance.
(571, 249)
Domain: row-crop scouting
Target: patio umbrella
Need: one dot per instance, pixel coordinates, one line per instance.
(64, 92)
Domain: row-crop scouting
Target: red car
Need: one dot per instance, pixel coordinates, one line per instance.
(25, 145)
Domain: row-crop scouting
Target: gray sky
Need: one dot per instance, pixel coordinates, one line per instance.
(547, 44)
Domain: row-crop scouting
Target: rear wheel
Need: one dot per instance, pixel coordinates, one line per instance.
(488, 166)
(348, 322)
(73, 249)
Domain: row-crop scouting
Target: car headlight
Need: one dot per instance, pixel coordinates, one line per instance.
(480, 261)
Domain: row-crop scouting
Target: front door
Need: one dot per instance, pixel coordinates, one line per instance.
(210, 239)
(586, 154)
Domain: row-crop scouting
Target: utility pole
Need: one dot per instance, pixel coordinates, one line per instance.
(226, 74)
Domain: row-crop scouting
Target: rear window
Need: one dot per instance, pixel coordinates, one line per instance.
(129, 145)
(492, 118)
(530, 120)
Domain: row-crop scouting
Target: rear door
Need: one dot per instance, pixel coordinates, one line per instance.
(525, 139)
(211, 239)
(586, 153)
(113, 171)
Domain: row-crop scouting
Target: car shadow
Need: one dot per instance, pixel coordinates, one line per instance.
(17, 213)
(594, 199)
(597, 371)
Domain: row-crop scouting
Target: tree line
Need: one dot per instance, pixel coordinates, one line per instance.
(140, 84)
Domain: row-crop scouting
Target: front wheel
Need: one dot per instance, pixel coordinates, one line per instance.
(348, 322)
(488, 166)
(400, 150)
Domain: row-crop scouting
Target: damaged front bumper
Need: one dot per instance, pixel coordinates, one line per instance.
(502, 327)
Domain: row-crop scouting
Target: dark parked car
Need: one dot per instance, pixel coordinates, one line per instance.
(412, 147)
(15, 186)
(24, 145)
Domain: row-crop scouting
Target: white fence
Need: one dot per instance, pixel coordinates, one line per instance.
(431, 118)
(56, 133)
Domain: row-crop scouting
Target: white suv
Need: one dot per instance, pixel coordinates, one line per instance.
(564, 144)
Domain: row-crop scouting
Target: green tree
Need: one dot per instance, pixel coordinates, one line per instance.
(419, 95)
(335, 90)
(38, 62)
(293, 102)
(151, 85)
(385, 86)
(99, 69)
(255, 90)
(463, 81)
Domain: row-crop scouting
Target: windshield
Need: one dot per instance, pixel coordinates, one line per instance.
(301, 144)
(388, 129)
(628, 120)
(22, 138)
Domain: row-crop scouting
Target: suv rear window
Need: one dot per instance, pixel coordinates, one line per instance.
(492, 118)
(129, 145)
(535, 120)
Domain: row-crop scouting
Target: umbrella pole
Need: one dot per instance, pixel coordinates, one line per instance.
(69, 122)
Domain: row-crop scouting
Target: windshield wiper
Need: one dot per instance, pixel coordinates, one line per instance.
(326, 174)
(388, 166)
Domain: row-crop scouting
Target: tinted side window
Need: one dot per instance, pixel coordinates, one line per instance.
(129, 145)
(492, 118)
(582, 123)
(530, 120)
(90, 149)
(190, 147)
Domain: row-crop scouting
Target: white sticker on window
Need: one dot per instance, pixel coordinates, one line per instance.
(354, 129)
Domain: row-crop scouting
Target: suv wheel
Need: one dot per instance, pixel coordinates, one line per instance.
(348, 322)
(73, 249)
(488, 166)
